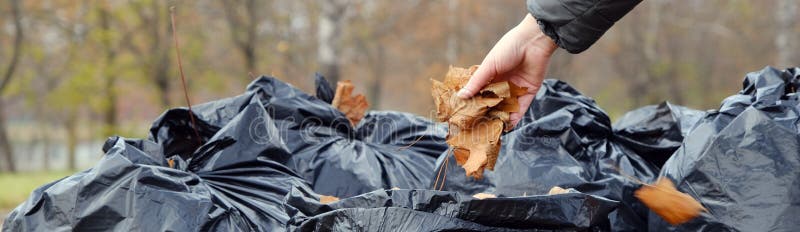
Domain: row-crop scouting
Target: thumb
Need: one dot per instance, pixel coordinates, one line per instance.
(482, 76)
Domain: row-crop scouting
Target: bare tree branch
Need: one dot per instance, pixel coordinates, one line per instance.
(17, 45)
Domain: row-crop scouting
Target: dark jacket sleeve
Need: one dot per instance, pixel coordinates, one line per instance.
(576, 24)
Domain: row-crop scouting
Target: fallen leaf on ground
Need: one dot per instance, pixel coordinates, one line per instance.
(327, 199)
(484, 196)
(353, 107)
(665, 200)
(557, 190)
(476, 123)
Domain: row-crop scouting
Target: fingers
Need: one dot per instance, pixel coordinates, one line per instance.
(482, 76)
(503, 57)
(515, 118)
(524, 104)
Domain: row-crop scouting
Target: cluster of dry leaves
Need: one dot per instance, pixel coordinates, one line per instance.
(354, 107)
(475, 124)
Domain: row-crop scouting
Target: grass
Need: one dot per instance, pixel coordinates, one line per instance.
(18, 186)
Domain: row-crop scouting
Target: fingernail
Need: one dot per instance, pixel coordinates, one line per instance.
(463, 93)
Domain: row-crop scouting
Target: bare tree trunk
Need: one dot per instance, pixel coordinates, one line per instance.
(42, 133)
(331, 21)
(160, 48)
(378, 72)
(785, 18)
(46, 143)
(161, 79)
(638, 90)
(249, 47)
(154, 54)
(644, 88)
(243, 32)
(250, 58)
(675, 87)
(110, 117)
(71, 126)
(6, 151)
(5, 144)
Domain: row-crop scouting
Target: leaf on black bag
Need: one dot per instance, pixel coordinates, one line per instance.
(327, 199)
(353, 107)
(476, 123)
(484, 196)
(665, 200)
(557, 190)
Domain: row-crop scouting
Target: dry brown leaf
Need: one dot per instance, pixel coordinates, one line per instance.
(171, 163)
(497, 89)
(484, 196)
(456, 77)
(461, 155)
(665, 200)
(476, 123)
(327, 199)
(441, 95)
(511, 104)
(354, 107)
(557, 190)
(480, 144)
(469, 112)
(503, 116)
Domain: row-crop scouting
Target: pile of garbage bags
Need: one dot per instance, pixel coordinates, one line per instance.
(566, 140)
(742, 161)
(230, 183)
(263, 160)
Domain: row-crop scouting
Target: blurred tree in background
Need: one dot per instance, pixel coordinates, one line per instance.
(6, 151)
(75, 72)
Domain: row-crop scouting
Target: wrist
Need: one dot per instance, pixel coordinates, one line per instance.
(534, 36)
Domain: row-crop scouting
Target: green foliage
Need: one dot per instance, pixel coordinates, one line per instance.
(17, 187)
(78, 90)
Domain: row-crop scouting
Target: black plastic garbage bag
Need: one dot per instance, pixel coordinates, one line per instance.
(428, 210)
(231, 183)
(654, 132)
(324, 90)
(742, 162)
(566, 140)
(385, 150)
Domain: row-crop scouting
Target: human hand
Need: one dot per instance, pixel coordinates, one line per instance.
(521, 56)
